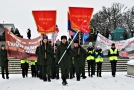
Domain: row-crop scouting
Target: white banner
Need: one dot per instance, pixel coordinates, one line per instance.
(125, 47)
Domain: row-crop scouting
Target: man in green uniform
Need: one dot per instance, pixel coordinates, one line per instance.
(46, 59)
(78, 52)
(38, 61)
(4, 61)
(65, 63)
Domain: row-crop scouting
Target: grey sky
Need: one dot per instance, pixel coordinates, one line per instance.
(19, 11)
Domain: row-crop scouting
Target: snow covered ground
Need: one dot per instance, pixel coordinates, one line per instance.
(106, 82)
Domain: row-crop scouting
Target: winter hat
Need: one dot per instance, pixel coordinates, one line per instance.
(98, 46)
(76, 41)
(90, 44)
(113, 44)
(3, 45)
(45, 37)
(49, 41)
(63, 37)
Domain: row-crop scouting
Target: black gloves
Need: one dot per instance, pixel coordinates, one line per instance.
(89, 54)
(114, 55)
(99, 53)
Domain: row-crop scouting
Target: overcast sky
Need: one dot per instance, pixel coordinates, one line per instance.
(19, 11)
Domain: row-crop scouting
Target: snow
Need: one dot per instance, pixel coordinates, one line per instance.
(131, 62)
(106, 82)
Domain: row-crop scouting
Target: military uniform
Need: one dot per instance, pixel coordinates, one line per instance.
(78, 59)
(38, 62)
(99, 60)
(46, 60)
(24, 67)
(90, 59)
(113, 57)
(4, 62)
(65, 63)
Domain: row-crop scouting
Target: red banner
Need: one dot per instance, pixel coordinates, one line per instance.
(78, 15)
(21, 48)
(45, 21)
(84, 27)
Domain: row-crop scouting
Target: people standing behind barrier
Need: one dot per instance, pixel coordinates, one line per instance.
(99, 60)
(33, 71)
(65, 63)
(4, 61)
(78, 54)
(91, 59)
(113, 57)
(84, 59)
(46, 59)
(29, 33)
(39, 61)
(24, 67)
(17, 33)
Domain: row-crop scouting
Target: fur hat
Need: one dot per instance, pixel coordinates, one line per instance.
(63, 37)
(76, 41)
(45, 37)
(90, 44)
(3, 45)
(113, 44)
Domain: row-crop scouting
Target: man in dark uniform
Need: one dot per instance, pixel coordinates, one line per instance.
(24, 67)
(38, 60)
(46, 59)
(84, 58)
(4, 61)
(78, 52)
(65, 63)
(113, 57)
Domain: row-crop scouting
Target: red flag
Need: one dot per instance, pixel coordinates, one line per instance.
(84, 27)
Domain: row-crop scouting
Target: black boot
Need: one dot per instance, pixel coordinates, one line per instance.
(89, 74)
(97, 74)
(49, 80)
(64, 82)
(45, 79)
(83, 76)
(57, 77)
(78, 77)
(3, 76)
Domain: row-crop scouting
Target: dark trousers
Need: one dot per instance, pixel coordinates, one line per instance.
(29, 37)
(64, 73)
(2, 70)
(57, 71)
(37, 70)
(40, 71)
(24, 72)
(99, 67)
(46, 70)
(72, 71)
(53, 70)
(90, 65)
(94, 67)
(33, 72)
(113, 67)
(78, 71)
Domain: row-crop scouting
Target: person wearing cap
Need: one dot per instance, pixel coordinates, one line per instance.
(113, 57)
(4, 61)
(84, 58)
(90, 59)
(99, 60)
(39, 60)
(78, 53)
(46, 59)
(65, 63)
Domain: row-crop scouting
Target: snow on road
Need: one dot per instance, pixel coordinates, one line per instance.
(106, 82)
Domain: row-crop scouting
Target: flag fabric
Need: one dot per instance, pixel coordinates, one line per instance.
(84, 27)
(85, 37)
(54, 36)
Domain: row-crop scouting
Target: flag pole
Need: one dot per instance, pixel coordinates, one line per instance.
(68, 46)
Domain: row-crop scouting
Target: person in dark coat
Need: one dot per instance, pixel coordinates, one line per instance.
(46, 59)
(29, 33)
(78, 53)
(65, 63)
(17, 33)
(39, 61)
(84, 58)
(12, 30)
(4, 61)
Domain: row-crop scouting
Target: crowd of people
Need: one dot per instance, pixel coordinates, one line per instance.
(72, 64)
